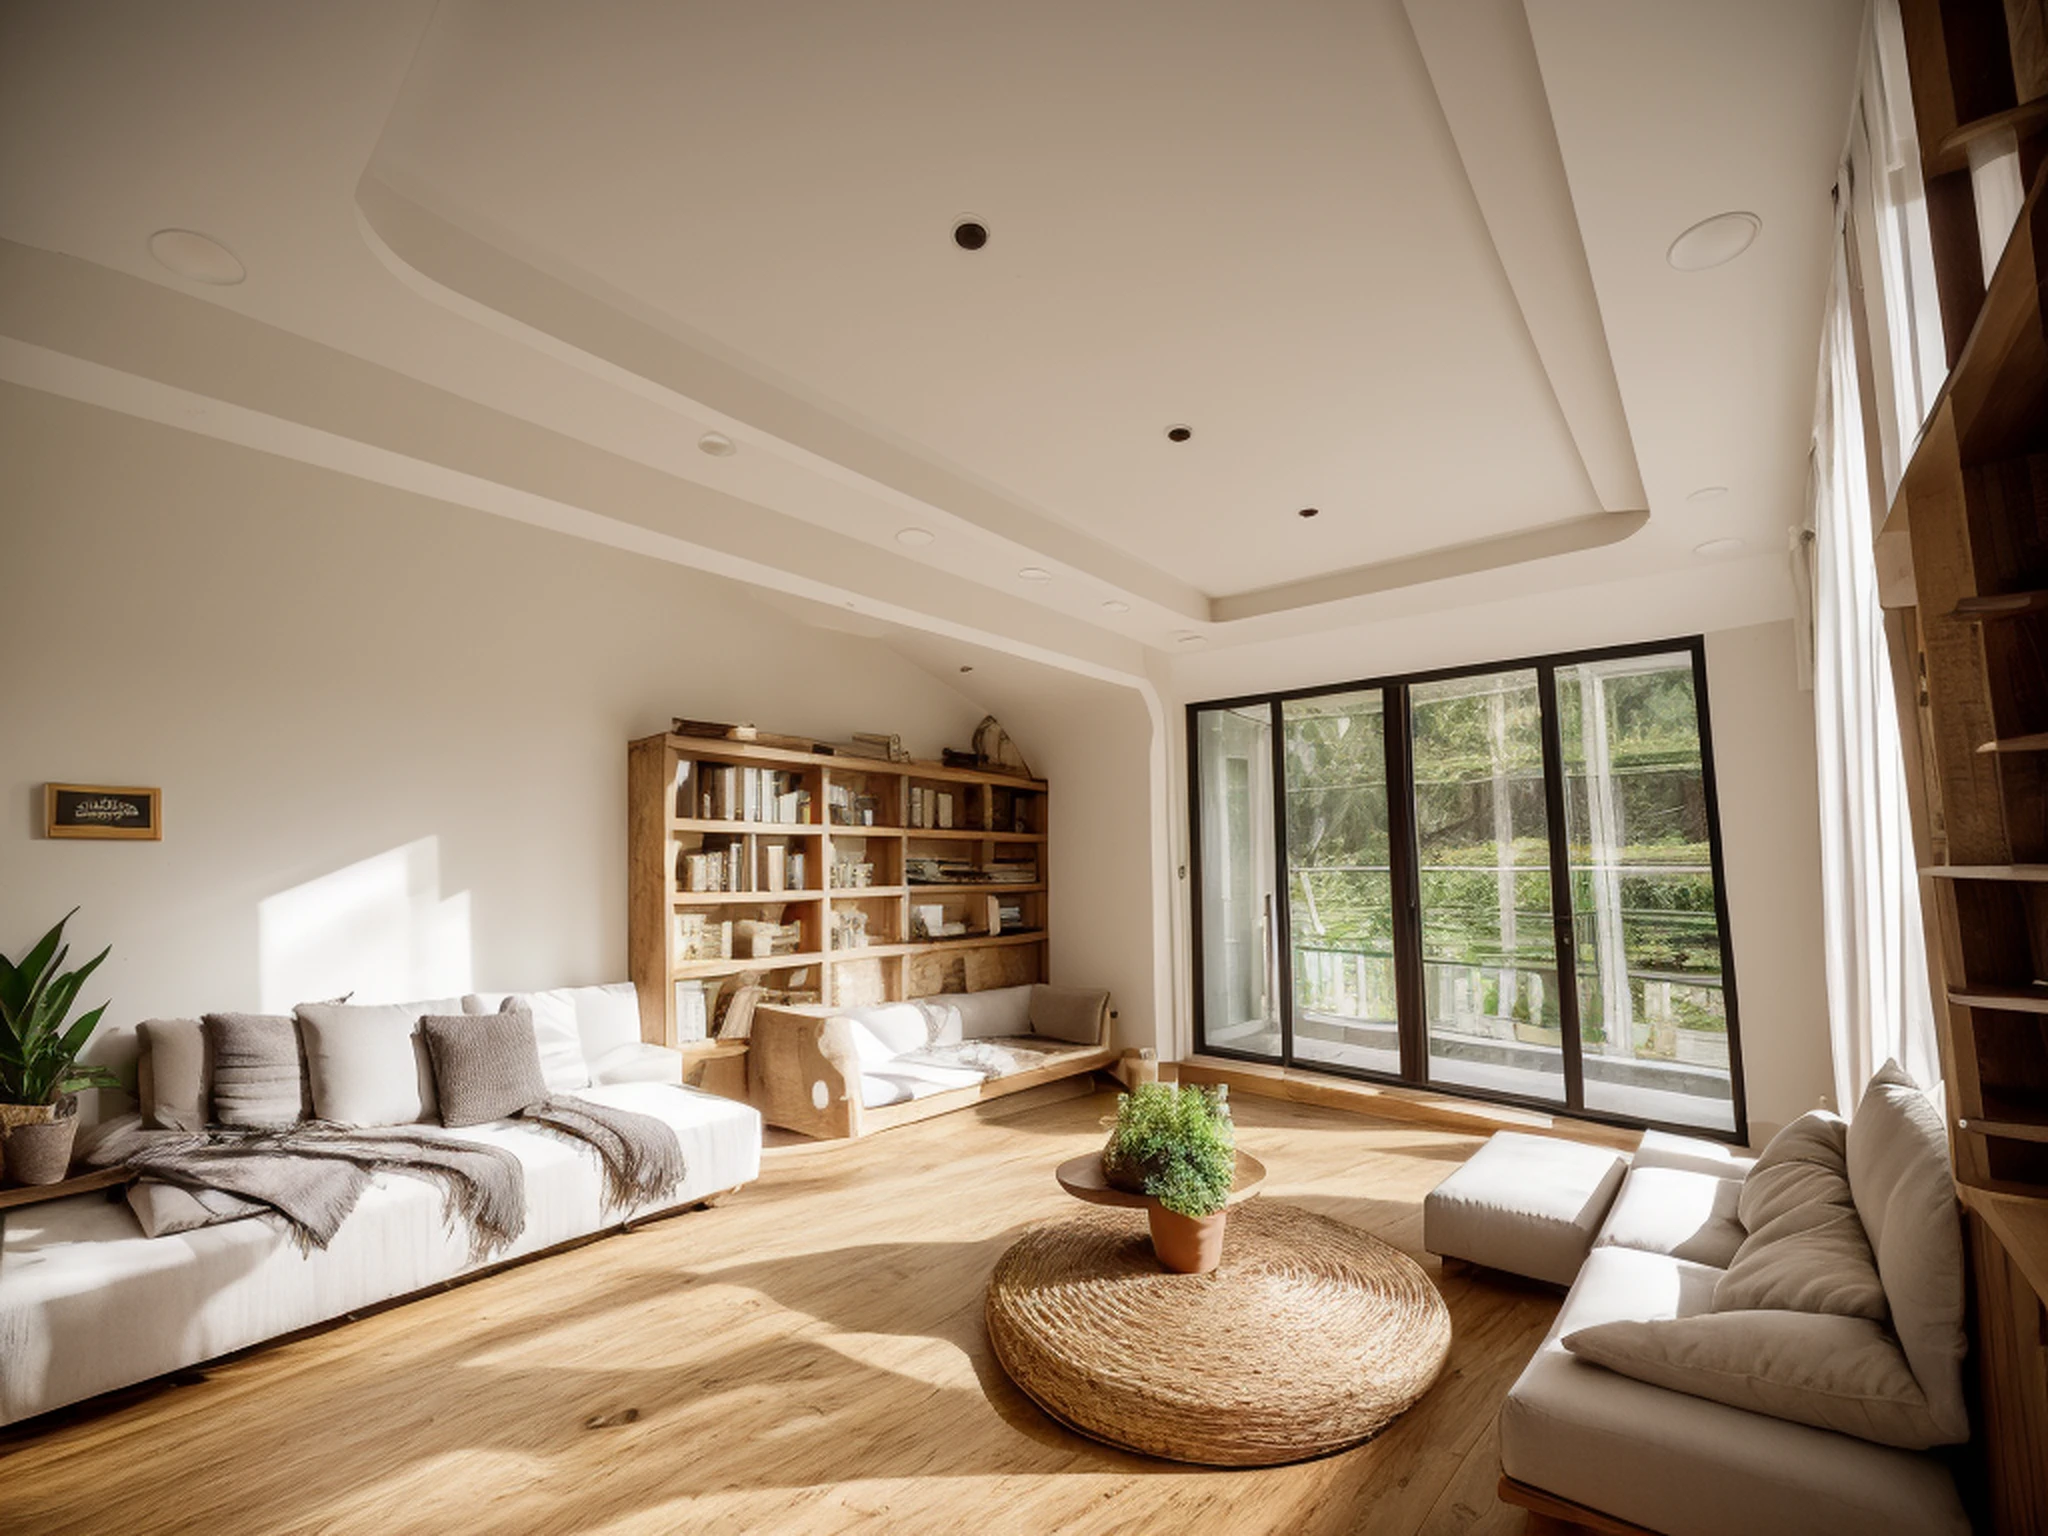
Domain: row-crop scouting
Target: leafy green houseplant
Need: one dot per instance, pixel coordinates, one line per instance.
(39, 1046)
(1177, 1146)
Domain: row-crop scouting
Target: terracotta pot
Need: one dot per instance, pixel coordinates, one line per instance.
(1187, 1245)
(39, 1152)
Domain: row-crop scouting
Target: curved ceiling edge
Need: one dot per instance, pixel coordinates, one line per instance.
(1579, 533)
(446, 261)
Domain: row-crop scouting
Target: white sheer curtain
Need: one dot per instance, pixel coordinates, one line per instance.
(1879, 1005)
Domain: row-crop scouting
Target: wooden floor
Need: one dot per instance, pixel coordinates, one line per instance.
(807, 1357)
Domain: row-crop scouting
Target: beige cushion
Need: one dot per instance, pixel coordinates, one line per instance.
(1672, 1462)
(1806, 1251)
(1076, 1015)
(1662, 1149)
(370, 1065)
(1676, 1211)
(1842, 1373)
(178, 1080)
(259, 1070)
(1525, 1204)
(1905, 1193)
(996, 1013)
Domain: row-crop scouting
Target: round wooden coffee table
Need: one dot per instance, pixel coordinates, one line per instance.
(1311, 1337)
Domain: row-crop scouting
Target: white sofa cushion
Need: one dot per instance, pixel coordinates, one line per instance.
(640, 1061)
(607, 1017)
(1661, 1149)
(554, 1032)
(997, 1014)
(1805, 1251)
(1905, 1194)
(1676, 1211)
(1689, 1467)
(88, 1304)
(1526, 1204)
(1844, 1373)
(369, 1064)
(899, 1081)
(900, 1027)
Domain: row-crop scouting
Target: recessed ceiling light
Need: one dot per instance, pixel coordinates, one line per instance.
(970, 234)
(1116, 605)
(1713, 242)
(1708, 493)
(199, 257)
(914, 537)
(1309, 512)
(717, 444)
(967, 669)
(1179, 434)
(1034, 573)
(1717, 547)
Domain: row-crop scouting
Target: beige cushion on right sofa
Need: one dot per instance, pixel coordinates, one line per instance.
(1905, 1194)
(1684, 1466)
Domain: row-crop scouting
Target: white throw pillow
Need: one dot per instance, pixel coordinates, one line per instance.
(607, 1017)
(943, 1021)
(873, 1052)
(369, 1065)
(1840, 1373)
(903, 1027)
(1905, 1193)
(562, 1062)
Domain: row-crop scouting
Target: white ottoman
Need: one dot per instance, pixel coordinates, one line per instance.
(1530, 1205)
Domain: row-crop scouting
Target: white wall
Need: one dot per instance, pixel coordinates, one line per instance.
(390, 732)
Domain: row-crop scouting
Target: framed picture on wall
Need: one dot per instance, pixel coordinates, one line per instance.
(102, 810)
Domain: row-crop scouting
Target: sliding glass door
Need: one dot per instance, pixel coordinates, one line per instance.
(1237, 921)
(1489, 952)
(1501, 881)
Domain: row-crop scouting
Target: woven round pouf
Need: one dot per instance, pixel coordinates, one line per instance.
(1311, 1337)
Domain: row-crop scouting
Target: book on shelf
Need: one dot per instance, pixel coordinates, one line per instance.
(700, 938)
(778, 867)
(944, 811)
(692, 1014)
(730, 792)
(758, 939)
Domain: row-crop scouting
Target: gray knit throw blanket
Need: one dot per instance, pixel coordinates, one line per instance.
(313, 1174)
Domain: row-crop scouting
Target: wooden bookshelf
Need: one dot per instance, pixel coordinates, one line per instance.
(1973, 501)
(851, 811)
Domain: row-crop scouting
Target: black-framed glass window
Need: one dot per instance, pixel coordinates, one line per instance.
(1503, 881)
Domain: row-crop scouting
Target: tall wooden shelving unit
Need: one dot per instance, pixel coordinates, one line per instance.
(1974, 503)
(997, 818)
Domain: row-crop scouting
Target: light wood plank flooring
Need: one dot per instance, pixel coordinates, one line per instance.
(806, 1357)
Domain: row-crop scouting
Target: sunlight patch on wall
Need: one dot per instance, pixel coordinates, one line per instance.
(379, 929)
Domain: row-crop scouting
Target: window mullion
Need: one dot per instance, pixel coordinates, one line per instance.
(1562, 927)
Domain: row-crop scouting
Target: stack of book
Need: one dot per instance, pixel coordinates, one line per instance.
(849, 929)
(846, 807)
(852, 875)
(757, 940)
(699, 938)
(931, 922)
(727, 792)
(746, 864)
(929, 871)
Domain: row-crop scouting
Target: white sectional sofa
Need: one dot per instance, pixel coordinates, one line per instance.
(89, 1304)
(828, 1071)
(1579, 1438)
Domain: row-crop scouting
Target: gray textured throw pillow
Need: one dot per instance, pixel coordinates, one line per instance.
(486, 1065)
(259, 1072)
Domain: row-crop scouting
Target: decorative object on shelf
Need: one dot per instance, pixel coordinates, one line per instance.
(39, 1067)
(1177, 1147)
(103, 811)
(996, 752)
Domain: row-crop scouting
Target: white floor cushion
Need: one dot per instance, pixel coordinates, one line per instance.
(1688, 1467)
(1527, 1204)
(88, 1304)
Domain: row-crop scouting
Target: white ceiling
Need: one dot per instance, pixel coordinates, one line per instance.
(1387, 265)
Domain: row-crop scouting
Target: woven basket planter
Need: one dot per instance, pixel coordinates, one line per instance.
(13, 1115)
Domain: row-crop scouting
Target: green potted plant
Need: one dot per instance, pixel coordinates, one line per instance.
(1176, 1146)
(39, 1067)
